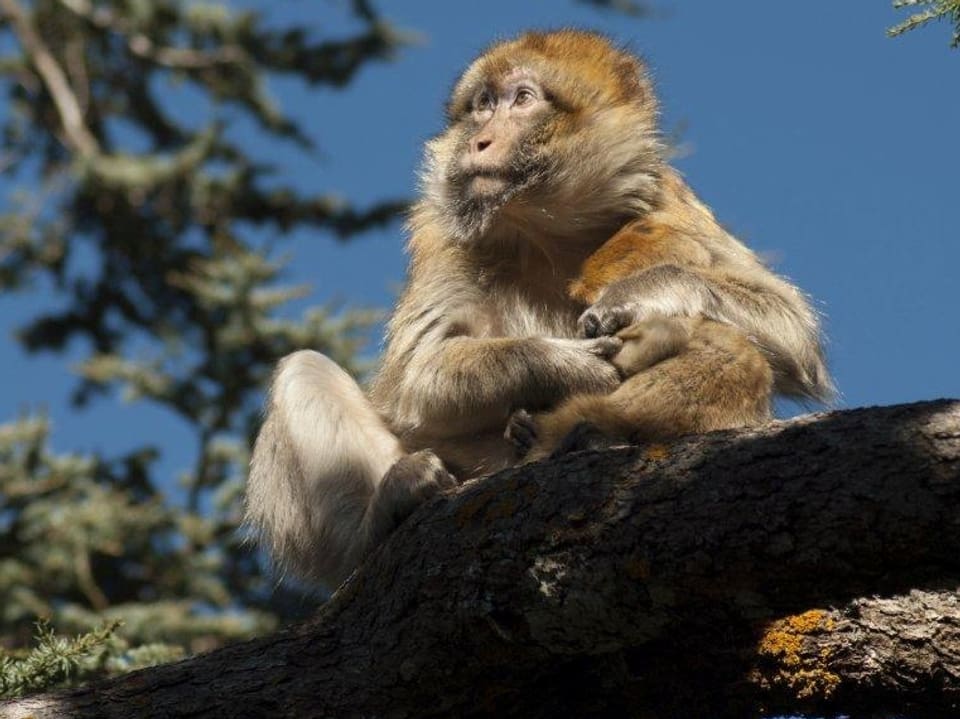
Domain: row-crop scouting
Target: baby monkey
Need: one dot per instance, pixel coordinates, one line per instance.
(682, 374)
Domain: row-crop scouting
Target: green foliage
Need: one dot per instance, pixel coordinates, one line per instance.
(84, 540)
(53, 661)
(948, 10)
(57, 660)
(147, 216)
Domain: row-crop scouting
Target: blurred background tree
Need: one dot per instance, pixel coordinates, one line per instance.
(156, 232)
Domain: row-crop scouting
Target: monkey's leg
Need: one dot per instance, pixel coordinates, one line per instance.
(585, 421)
(328, 480)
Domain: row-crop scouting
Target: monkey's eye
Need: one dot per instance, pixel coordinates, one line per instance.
(484, 102)
(525, 96)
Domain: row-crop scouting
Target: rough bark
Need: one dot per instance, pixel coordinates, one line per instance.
(809, 565)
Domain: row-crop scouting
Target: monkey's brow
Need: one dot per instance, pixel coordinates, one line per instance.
(500, 79)
(520, 72)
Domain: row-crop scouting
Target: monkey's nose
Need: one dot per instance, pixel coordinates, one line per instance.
(483, 145)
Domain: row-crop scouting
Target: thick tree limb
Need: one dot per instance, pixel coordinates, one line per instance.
(806, 565)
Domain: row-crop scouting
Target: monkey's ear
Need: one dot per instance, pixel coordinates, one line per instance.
(453, 110)
(634, 78)
(458, 104)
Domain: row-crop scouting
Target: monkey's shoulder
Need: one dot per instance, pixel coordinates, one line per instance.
(639, 246)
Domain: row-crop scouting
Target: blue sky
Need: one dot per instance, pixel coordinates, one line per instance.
(824, 145)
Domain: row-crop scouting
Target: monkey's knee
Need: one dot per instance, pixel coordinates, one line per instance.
(329, 420)
(304, 361)
(306, 374)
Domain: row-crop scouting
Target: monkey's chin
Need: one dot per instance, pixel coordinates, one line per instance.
(487, 186)
(477, 204)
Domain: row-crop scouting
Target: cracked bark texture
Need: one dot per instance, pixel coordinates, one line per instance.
(810, 565)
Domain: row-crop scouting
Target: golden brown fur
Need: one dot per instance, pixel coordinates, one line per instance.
(684, 375)
(550, 159)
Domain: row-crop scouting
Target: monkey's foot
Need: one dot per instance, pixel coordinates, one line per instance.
(521, 432)
(582, 437)
(412, 480)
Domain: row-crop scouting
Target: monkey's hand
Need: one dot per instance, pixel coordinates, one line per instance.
(411, 481)
(666, 290)
(521, 432)
(588, 369)
(586, 364)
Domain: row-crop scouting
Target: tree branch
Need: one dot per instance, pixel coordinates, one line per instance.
(55, 80)
(719, 576)
(142, 46)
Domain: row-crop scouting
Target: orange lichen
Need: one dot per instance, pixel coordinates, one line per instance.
(513, 495)
(786, 664)
(656, 452)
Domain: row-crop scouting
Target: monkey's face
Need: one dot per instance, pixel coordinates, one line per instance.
(498, 146)
(557, 127)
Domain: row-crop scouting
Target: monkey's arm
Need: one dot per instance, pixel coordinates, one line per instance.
(467, 384)
(771, 311)
(455, 363)
(779, 318)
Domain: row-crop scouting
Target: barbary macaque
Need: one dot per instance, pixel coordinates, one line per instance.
(553, 253)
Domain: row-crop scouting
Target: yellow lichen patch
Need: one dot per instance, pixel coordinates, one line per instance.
(786, 664)
(656, 452)
(481, 507)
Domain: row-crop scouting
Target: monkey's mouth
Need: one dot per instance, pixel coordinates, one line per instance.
(487, 182)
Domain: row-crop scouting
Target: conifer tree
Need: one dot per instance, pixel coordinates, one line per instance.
(149, 227)
(924, 12)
